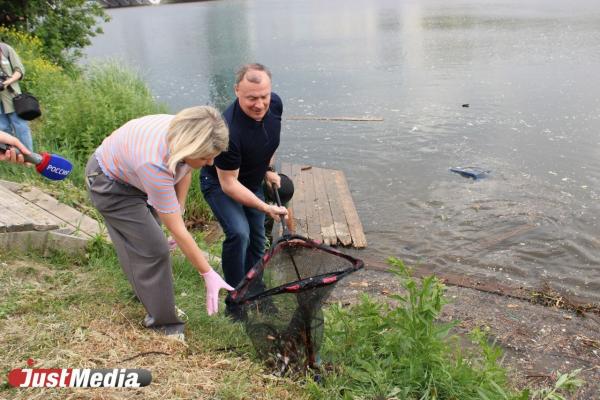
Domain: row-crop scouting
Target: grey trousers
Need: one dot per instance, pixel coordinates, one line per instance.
(140, 243)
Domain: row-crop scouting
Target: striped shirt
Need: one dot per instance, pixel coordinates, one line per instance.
(136, 154)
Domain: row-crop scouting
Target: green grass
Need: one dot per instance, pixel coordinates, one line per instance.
(396, 352)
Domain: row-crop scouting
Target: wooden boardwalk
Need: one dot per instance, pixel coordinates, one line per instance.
(322, 206)
(30, 218)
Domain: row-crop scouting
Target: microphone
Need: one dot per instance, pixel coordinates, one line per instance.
(51, 166)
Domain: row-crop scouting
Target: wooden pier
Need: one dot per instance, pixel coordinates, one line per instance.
(322, 207)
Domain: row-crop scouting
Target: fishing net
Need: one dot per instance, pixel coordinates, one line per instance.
(281, 299)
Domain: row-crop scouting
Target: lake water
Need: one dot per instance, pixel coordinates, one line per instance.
(527, 69)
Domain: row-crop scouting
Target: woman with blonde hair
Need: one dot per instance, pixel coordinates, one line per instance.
(139, 177)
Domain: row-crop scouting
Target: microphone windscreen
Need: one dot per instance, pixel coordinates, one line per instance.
(54, 167)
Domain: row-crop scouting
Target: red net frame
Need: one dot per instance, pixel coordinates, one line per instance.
(281, 299)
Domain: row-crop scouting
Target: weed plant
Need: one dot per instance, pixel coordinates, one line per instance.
(400, 351)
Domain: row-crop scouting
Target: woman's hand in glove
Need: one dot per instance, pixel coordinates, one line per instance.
(214, 283)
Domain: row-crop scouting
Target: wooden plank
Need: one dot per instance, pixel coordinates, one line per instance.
(323, 208)
(316, 118)
(299, 203)
(80, 223)
(312, 215)
(356, 230)
(13, 222)
(339, 218)
(42, 241)
(486, 243)
(40, 220)
(12, 186)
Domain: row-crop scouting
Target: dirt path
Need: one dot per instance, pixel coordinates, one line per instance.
(537, 340)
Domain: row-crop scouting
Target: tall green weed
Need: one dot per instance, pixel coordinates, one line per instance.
(380, 351)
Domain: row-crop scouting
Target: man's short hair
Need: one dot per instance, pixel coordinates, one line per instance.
(241, 73)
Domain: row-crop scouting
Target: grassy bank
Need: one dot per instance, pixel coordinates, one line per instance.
(65, 312)
(80, 312)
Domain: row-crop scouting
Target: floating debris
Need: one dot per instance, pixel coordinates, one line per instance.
(549, 297)
(471, 172)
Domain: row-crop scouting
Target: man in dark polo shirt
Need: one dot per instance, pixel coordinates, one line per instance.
(233, 186)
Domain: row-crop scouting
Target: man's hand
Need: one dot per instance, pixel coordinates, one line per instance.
(273, 177)
(276, 212)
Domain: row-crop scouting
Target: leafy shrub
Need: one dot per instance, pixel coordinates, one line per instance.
(65, 27)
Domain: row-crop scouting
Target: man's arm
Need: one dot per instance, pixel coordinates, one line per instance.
(272, 176)
(17, 67)
(241, 194)
(12, 79)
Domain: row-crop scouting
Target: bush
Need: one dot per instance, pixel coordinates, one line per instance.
(65, 27)
(83, 111)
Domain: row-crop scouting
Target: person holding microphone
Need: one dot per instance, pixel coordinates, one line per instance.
(11, 155)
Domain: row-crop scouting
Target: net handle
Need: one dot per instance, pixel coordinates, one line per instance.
(286, 232)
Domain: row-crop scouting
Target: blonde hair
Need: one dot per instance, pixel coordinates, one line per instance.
(196, 132)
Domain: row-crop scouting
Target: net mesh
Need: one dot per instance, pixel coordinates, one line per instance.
(282, 298)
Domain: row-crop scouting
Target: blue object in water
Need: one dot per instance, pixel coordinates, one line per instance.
(471, 172)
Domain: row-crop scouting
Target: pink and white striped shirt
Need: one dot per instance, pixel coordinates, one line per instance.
(137, 153)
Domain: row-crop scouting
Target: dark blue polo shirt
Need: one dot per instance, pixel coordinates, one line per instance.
(251, 143)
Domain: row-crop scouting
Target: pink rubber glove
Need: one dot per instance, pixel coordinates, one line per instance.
(172, 243)
(214, 283)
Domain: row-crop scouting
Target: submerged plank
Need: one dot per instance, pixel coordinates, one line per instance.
(316, 118)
